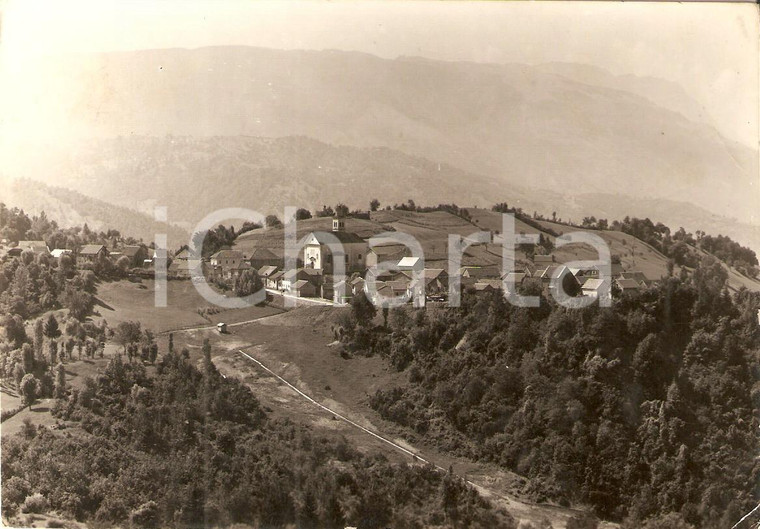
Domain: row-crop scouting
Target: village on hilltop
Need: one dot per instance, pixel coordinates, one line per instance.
(313, 278)
(314, 275)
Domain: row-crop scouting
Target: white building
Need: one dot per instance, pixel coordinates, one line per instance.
(317, 253)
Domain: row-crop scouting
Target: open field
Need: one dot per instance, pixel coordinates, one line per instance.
(125, 301)
(430, 229)
(274, 238)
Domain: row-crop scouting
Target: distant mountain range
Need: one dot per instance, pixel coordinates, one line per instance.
(260, 128)
(195, 176)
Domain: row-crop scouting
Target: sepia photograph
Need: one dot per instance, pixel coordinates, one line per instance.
(360, 264)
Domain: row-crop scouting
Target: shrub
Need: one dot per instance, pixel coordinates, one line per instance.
(145, 516)
(36, 504)
(15, 490)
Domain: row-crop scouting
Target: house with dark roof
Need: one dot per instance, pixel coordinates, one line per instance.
(291, 277)
(226, 263)
(637, 276)
(136, 253)
(383, 292)
(91, 253)
(226, 258)
(263, 257)
(436, 281)
(480, 272)
(38, 247)
(387, 252)
(266, 271)
(317, 254)
(183, 254)
(484, 287)
(274, 281)
(303, 289)
(182, 268)
(628, 286)
(545, 275)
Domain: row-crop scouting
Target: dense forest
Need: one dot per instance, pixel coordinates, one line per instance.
(190, 448)
(679, 245)
(644, 410)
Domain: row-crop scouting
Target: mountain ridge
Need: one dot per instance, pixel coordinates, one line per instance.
(194, 176)
(514, 123)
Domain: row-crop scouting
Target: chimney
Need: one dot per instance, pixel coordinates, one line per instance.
(338, 224)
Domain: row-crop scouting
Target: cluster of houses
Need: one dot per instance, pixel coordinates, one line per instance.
(314, 275)
(138, 255)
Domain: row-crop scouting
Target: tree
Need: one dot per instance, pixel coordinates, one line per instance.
(51, 329)
(60, 382)
(122, 264)
(39, 336)
(303, 214)
(247, 283)
(14, 330)
(208, 366)
(18, 375)
(53, 353)
(29, 389)
(326, 211)
(374, 204)
(272, 221)
(27, 355)
(171, 343)
(363, 309)
(341, 210)
(127, 333)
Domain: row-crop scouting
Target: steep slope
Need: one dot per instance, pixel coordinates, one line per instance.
(519, 124)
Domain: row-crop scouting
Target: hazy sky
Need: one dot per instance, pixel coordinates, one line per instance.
(711, 50)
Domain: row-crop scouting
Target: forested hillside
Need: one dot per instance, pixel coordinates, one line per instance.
(190, 448)
(643, 410)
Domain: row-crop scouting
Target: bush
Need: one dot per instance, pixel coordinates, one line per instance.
(15, 490)
(36, 504)
(145, 516)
